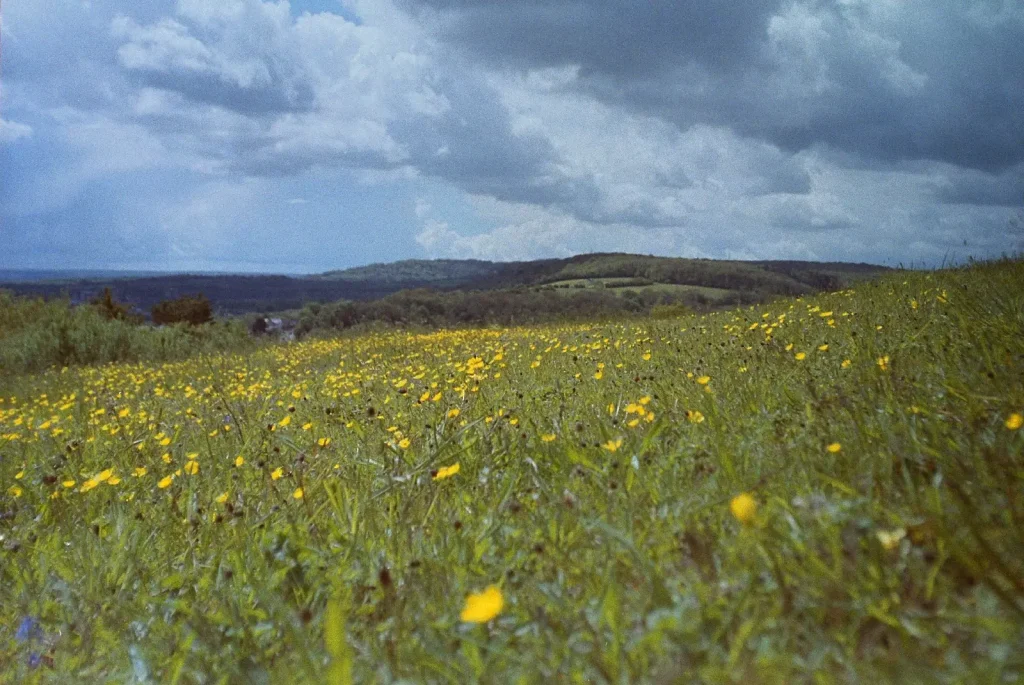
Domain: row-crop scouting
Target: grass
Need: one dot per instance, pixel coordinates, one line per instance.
(273, 517)
(623, 285)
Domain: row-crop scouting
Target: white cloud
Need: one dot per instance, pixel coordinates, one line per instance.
(11, 131)
(422, 208)
(436, 238)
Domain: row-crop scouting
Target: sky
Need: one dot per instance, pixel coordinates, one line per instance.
(260, 136)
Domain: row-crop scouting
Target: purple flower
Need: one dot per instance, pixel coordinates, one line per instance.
(34, 659)
(28, 629)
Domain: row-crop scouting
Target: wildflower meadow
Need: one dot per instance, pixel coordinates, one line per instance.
(818, 489)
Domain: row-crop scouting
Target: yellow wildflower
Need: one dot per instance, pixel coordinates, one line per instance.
(1014, 421)
(890, 539)
(744, 508)
(447, 471)
(481, 607)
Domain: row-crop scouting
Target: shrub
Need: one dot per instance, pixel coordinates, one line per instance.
(669, 311)
(36, 334)
(110, 309)
(190, 309)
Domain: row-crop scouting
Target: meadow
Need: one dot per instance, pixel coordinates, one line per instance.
(817, 489)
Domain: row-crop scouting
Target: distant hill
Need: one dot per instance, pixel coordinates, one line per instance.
(64, 275)
(704, 281)
(418, 271)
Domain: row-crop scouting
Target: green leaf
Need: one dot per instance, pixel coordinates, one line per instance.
(340, 670)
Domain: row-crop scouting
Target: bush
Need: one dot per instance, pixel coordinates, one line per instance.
(111, 310)
(190, 309)
(36, 334)
(669, 311)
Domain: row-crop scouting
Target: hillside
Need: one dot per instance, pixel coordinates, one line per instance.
(416, 272)
(235, 294)
(825, 489)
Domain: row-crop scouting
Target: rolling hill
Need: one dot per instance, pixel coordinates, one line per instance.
(241, 294)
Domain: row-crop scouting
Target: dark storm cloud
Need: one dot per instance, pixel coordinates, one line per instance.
(619, 37)
(935, 80)
(268, 97)
(979, 188)
(473, 146)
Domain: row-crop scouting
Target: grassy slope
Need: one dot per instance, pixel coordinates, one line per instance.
(623, 285)
(615, 566)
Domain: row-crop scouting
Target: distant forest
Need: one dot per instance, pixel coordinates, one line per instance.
(475, 291)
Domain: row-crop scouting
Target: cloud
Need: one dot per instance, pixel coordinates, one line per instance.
(909, 80)
(959, 186)
(614, 37)
(244, 63)
(825, 129)
(12, 131)
(260, 92)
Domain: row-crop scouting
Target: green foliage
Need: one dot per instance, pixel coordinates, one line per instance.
(37, 334)
(191, 309)
(417, 272)
(669, 311)
(875, 432)
(427, 308)
(110, 309)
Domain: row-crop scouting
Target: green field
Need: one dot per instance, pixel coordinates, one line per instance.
(819, 489)
(622, 285)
